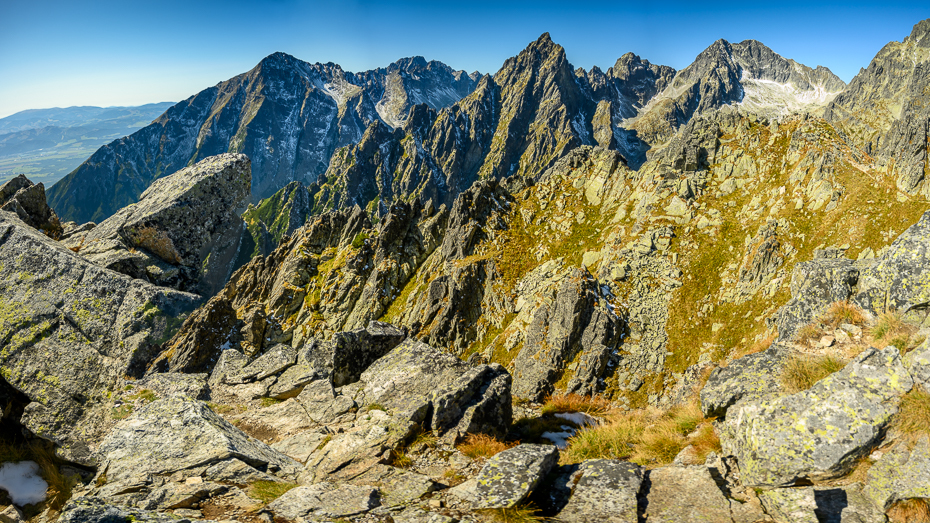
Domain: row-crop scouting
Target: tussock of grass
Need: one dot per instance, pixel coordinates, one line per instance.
(647, 437)
(807, 333)
(563, 403)
(888, 325)
(910, 511)
(268, 491)
(400, 458)
(801, 372)
(843, 312)
(482, 446)
(526, 513)
(912, 421)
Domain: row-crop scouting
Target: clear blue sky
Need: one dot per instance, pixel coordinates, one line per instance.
(129, 52)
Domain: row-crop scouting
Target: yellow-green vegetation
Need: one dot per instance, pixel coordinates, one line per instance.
(757, 346)
(478, 446)
(375, 406)
(267, 402)
(523, 513)
(268, 491)
(145, 395)
(915, 510)
(400, 458)
(561, 403)
(912, 421)
(867, 216)
(359, 240)
(891, 329)
(802, 371)
(122, 412)
(648, 437)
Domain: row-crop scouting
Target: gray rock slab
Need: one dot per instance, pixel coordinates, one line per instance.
(510, 476)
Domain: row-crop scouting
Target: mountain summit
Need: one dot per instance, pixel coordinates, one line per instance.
(286, 115)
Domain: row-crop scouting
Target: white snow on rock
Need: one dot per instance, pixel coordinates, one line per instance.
(23, 483)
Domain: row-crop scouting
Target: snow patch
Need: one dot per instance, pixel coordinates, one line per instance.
(21, 480)
(559, 439)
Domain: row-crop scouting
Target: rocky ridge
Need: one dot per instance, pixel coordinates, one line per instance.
(286, 115)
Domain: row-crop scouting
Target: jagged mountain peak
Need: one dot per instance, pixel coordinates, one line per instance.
(920, 31)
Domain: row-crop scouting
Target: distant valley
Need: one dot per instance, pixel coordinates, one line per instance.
(47, 144)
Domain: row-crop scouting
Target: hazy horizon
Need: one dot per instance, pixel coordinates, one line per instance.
(61, 55)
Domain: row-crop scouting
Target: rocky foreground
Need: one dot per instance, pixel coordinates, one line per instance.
(239, 417)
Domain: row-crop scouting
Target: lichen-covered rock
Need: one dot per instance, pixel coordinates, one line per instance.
(902, 473)
(918, 364)
(27, 200)
(189, 220)
(177, 435)
(322, 404)
(815, 285)
(744, 379)
(818, 433)
(420, 384)
(677, 494)
(325, 501)
(510, 476)
(97, 510)
(364, 444)
(900, 279)
(71, 331)
(845, 504)
(604, 490)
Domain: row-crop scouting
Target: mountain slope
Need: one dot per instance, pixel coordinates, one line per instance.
(886, 108)
(288, 116)
(519, 122)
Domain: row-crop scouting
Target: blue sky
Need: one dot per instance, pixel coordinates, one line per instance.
(62, 53)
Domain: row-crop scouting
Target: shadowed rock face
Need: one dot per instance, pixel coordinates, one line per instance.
(185, 231)
(70, 331)
(27, 200)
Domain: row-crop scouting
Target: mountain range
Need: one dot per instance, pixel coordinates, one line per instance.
(416, 295)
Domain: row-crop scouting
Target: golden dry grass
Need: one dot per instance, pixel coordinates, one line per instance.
(909, 511)
(912, 421)
(888, 325)
(482, 446)
(755, 347)
(525, 513)
(843, 312)
(593, 405)
(807, 333)
(648, 437)
(802, 371)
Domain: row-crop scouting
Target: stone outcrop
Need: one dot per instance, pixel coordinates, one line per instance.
(27, 200)
(422, 385)
(748, 378)
(510, 476)
(604, 490)
(818, 433)
(183, 439)
(185, 231)
(71, 330)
